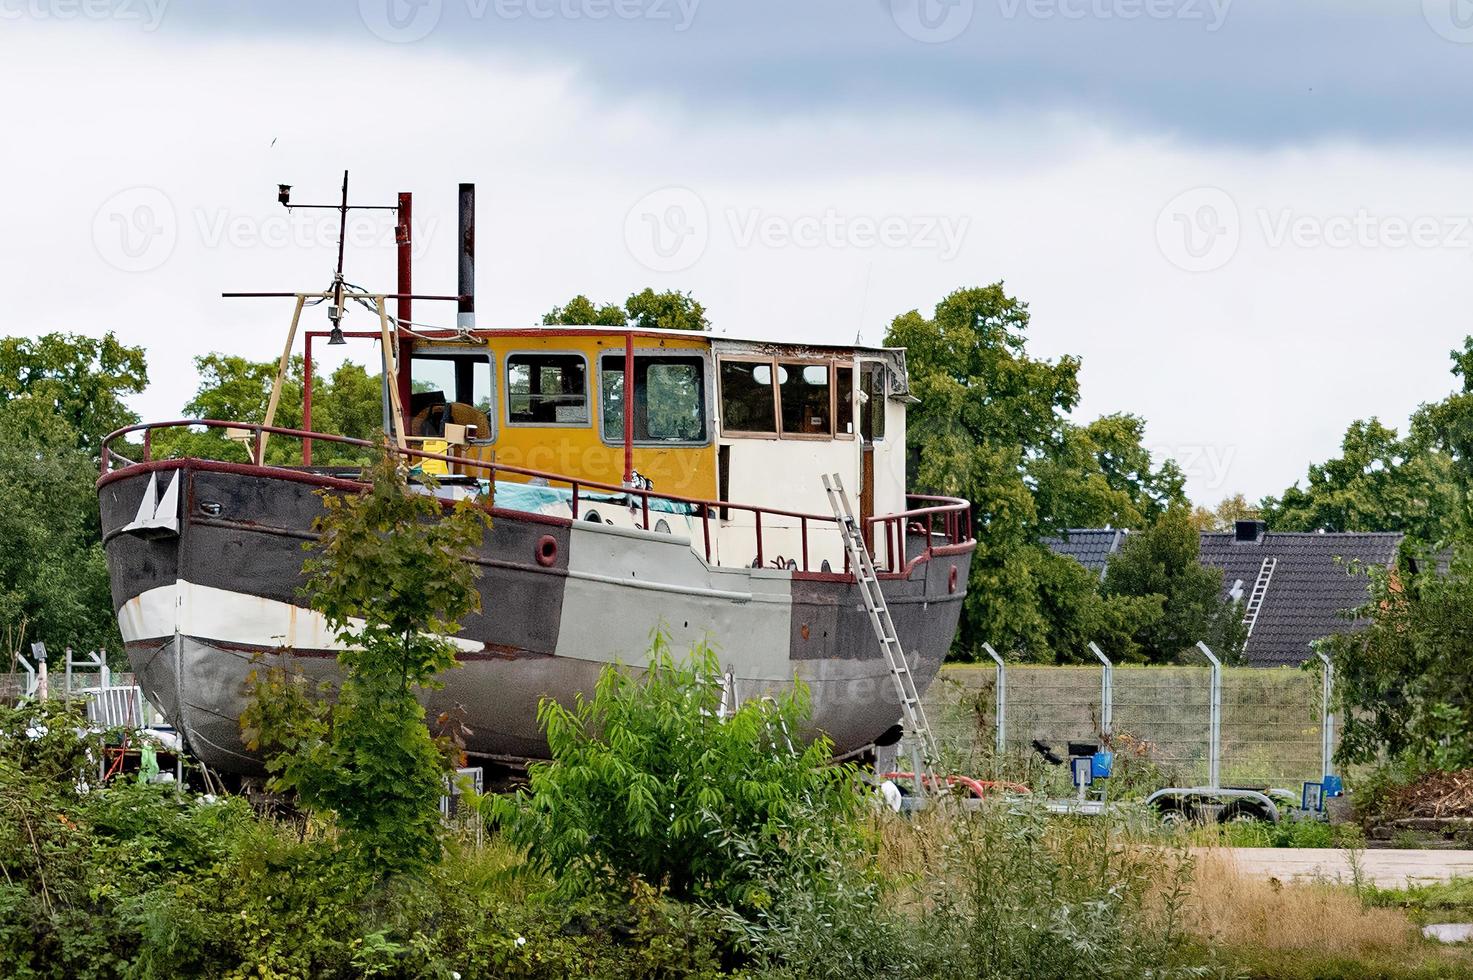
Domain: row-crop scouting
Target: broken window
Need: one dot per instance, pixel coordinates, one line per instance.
(805, 394)
(747, 402)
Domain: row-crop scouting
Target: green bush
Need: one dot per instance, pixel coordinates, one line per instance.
(647, 782)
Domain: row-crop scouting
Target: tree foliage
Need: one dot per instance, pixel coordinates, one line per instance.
(992, 426)
(234, 389)
(645, 310)
(647, 781)
(1380, 482)
(388, 575)
(81, 380)
(1227, 513)
(1402, 682)
(53, 573)
(1161, 561)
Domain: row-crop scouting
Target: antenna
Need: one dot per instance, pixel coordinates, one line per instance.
(335, 308)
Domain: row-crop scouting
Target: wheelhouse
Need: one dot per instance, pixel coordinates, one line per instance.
(686, 415)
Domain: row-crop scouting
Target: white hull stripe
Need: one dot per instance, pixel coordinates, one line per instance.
(230, 617)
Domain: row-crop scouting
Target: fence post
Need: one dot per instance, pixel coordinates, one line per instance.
(1001, 690)
(30, 670)
(1327, 716)
(1107, 691)
(1214, 718)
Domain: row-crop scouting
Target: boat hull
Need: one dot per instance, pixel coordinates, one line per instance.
(212, 589)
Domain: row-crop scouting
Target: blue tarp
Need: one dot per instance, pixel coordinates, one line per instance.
(539, 499)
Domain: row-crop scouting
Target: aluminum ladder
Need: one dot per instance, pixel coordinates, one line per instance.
(1260, 588)
(923, 752)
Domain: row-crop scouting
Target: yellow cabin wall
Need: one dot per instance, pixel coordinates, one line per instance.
(579, 451)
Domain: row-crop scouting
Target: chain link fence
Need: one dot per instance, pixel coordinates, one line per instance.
(1272, 720)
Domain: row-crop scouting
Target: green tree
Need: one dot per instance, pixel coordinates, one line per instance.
(1227, 513)
(580, 311)
(645, 310)
(992, 426)
(349, 402)
(53, 573)
(387, 573)
(669, 310)
(1101, 475)
(1162, 561)
(84, 380)
(1402, 682)
(1380, 482)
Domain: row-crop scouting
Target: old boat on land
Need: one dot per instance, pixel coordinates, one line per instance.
(637, 479)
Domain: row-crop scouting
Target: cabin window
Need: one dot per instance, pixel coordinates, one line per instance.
(458, 379)
(872, 409)
(806, 399)
(669, 399)
(844, 401)
(546, 389)
(747, 398)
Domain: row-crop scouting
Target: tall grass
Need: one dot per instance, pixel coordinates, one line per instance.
(1007, 891)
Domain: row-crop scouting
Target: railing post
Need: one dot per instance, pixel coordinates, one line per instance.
(757, 522)
(575, 500)
(147, 445)
(706, 529)
(1107, 691)
(803, 530)
(1327, 715)
(1214, 718)
(1001, 691)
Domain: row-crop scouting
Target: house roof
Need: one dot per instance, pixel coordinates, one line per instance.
(1309, 591)
(1091, 547)
(1312, 585)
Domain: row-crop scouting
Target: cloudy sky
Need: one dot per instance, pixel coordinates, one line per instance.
(1251, 218)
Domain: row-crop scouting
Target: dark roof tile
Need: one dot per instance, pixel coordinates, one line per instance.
(1312, 587)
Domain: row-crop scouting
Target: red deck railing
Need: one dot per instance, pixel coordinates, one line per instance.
(946, 518)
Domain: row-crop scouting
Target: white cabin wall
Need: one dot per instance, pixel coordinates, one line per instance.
(786, 474)
(890, 461)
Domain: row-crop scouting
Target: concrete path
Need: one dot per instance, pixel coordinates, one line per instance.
(1387, 867)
